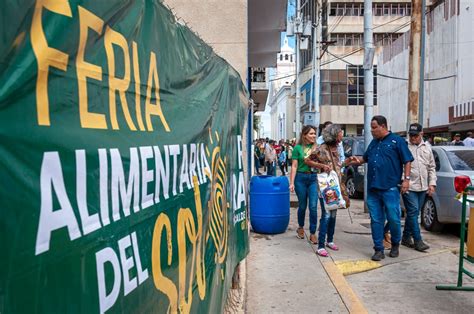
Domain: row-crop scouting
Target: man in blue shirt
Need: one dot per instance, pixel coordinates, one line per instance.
(387, 157)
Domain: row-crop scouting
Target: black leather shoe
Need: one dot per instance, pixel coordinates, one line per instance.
(394, 251)
(408, 242)
(378, 256)
(421, 246)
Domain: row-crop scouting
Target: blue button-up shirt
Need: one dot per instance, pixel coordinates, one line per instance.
(385, 159)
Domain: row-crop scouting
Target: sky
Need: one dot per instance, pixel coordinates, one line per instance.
(265, 116)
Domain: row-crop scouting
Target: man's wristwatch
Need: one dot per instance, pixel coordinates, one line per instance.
(407, 178)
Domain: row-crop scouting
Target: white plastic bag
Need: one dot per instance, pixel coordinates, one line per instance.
(330, 191)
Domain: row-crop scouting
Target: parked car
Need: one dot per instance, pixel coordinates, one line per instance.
(354, 175)
(442, 207)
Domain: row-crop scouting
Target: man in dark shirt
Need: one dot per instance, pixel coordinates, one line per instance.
(387, 157)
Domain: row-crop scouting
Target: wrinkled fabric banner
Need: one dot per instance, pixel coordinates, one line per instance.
(122, 180)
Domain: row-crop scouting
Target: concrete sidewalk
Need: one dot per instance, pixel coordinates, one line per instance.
(284, 275)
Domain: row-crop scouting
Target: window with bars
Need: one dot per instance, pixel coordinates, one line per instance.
(379, 9)
(357, 39)
(355, 85)
(333, 87)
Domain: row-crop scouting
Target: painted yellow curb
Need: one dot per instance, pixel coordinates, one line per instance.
(350, 299)
(350, 267)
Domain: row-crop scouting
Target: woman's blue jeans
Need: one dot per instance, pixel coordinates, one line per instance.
(327, 225)
(305, 188)
(413, 202)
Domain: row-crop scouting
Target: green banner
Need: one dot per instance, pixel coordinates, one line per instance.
(122, 185)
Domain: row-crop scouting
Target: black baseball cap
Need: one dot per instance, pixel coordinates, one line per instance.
(415, 129)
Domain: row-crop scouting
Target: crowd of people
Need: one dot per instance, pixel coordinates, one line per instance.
(395, 168)
(268, 154)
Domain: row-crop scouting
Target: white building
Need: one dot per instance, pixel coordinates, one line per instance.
(449, 100)
(281, 102)
(342, 82)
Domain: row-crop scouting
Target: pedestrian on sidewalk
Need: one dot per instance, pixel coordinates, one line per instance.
(270, 158)
(387, 157)
(469, 140)
(422, 182)
(256, 157)
(303, 182)
(340, 148)
(289, 154)
(282, 160)
(326, 157)
(457, 140)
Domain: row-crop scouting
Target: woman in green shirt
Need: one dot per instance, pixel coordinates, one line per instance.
(303, 182)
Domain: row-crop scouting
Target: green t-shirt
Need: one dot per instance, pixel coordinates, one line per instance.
(299, 153)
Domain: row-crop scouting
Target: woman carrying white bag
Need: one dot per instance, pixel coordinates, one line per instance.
(331, 187)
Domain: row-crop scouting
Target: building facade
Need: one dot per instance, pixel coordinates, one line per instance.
(280, 100)
(342, 83)
(449, 72)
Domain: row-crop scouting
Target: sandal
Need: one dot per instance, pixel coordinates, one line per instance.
(332, 246)
(300, 233)
(312, 239)
(322, 252)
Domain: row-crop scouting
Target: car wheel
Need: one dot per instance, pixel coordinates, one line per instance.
(351, 189)
(429, 216)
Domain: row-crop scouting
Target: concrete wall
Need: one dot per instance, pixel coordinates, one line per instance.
(393, 94)
(222, 24)
(449, 51)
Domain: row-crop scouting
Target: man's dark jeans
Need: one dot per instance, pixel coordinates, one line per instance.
(413, 202)
(271, 170)
(384, 204)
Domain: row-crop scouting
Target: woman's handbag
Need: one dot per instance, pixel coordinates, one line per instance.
(330, 190)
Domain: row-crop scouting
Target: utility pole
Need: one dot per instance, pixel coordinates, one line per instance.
(422, 63)
(317, 60)
(368, 82)
(414, 60)
(298, 26)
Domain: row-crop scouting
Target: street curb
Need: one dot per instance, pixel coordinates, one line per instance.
(348, 296)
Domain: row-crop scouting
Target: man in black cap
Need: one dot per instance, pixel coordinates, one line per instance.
(422, 182)
(457, 140)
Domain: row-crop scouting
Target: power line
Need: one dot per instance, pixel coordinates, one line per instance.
(361, 48)
(405, 79)
(391, 21)
(381, 39)
(340, 58)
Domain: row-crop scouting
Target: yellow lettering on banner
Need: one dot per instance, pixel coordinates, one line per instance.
(46, 56)
(163, 283)
(153, 109)
(118, 84)
(136, 76)
(84, 70)
(200, 268)
(186, 229)
(187, 226)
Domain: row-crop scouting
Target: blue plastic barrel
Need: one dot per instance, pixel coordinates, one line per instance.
(269, 204)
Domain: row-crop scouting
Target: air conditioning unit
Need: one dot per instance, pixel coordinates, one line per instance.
(304, 43)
